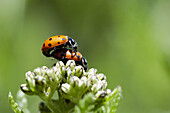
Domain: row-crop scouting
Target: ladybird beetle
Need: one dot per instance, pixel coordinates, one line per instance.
(58, 42)
(67, 54)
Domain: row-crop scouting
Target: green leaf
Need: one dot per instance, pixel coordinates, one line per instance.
(13, 104)
(86, 104)
(112, 101)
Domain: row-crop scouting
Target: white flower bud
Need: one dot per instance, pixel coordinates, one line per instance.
(69, 73)
(59, 64)
(78, 71)
(70, 64)
(74, 81)
(104, 83)
(24, 87)
(37, 71)
(93, 79)
(96, 87)
(40, 80)
(100, 94)
(101, 76)
(65, 87)
(50, 75)
(55, 69)
(30, 79)
(63, 70)
(108, 91)
(84, 80)
(44, 67)
(58, 76)
(29, 74)
(92, 71)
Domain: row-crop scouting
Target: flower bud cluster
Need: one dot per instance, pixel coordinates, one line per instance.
(42, 80)
(71, 82)
(98, 82)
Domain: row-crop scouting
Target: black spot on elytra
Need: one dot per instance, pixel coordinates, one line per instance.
(50, 38)
(49, 44)
(58, 42)
(43, 44)
(59, 36)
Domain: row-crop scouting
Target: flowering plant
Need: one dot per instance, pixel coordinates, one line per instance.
(78, 91)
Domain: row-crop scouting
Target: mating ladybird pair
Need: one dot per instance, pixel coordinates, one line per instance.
(63, 48)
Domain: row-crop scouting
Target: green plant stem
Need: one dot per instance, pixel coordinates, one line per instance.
(49, 103)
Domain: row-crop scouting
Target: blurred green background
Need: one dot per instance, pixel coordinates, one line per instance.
(127, 40)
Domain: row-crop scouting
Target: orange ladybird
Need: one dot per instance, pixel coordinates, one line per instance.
(67, 54)
(58, 42)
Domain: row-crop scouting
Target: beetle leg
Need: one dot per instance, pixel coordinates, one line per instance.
(63, 54)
